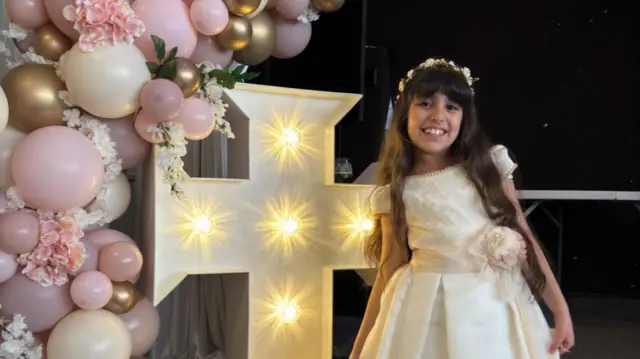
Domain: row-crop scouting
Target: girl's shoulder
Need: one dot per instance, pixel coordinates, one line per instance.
(506, 166)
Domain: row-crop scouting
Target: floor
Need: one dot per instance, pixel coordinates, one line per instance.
(605, 329)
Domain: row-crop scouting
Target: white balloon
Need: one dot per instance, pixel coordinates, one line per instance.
(118, 197)
(9, 139)
(84, 334)
(105, 82)
(4, 110)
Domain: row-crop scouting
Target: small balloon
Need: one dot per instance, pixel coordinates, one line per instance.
(8, 266)
(197, 119)
(242, 7)
(262, 44)
(187, 77)
(19, 232)
(28, 14)
(50, 43)
(91, 290)
(32, 93)
(209, 17)
(143, 323)
(162, 99)
(237, 34)
(327, 6)
(210, 49)
(292, 37)
(145, 121)
(120, 261)
(131, 148)
(123, 299)
(291, 9)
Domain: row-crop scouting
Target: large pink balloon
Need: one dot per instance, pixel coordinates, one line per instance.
(57, 168)
(8, 266)
(29, 14)
(145, 120)
(291, 9)
(292, 37)
(4, 201)
(120, 261)
(131, 148)
(54, 9)
(41, 306)
(91, 290)
(197, 118)
(143, 323)
(209, 17)
(19, 232)
(169, 20)
(162, 99)
(208, 49)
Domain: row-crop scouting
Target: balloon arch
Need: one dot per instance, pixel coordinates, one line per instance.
(95, 84)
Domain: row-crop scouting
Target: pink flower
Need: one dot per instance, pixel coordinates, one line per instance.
(504, 248)
(103, 21)
(58, 254)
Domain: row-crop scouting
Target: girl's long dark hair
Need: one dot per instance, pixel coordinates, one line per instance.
(471, 145)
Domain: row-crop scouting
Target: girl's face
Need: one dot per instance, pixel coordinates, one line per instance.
(434, 123)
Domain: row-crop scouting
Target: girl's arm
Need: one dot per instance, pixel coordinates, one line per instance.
(392, 257)
(552, 294)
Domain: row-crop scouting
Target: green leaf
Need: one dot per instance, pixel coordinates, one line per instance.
(172, 54)
(224, 78)
(168, 70)
(248, 76)
(158, 47)
(153, 67)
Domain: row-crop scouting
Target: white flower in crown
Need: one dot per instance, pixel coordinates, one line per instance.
(433, 63)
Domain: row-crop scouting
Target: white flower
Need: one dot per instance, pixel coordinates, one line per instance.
(504, 248)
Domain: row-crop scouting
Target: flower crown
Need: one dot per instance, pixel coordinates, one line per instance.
(436, 63)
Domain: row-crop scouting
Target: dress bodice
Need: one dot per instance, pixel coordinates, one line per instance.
(444, 212)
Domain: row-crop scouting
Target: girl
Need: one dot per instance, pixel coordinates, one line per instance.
(457, 260)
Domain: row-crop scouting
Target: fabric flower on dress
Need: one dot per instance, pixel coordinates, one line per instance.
(58, 253)
(100, 21)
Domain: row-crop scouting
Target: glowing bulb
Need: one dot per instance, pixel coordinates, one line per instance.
(202, 224)
(287, 312)
(290, 137)
(363, 225)
(289, 226)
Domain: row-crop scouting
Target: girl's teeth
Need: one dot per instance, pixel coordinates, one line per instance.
(434, 131)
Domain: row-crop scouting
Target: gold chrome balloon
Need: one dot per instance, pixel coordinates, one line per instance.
(124, 298)
(187, 77)
(263, 41)
(32, 93)
(327, 6)
(242, 7)
(237, 34)
(50, 43)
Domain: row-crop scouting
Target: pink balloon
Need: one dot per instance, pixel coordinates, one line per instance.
(102, 237)
(209, 17)
(188, 2)
(57, 168)
(208, 49)
(4, 201)
(91, 290)
(131, 148)
(144, 120)
(19, 232)
(291, 9)
(143, 323)
(41, 306)
(169, 20)
(54, 9)
(92, 253)
(197, 118)
(162, 99)
(120, 261)
(8, 266)
(292, 37)
(29, 14)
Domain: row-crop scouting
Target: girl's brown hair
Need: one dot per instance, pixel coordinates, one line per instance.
(471, 145)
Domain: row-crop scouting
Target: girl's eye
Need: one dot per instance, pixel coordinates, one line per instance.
(451, 107)
(425, 103)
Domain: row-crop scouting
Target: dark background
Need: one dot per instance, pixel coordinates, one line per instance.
(558, 85)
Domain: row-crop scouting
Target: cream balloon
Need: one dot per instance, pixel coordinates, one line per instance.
(118, 197)
(95, 334)
(9, 139)
(107, 81)
(4, 110)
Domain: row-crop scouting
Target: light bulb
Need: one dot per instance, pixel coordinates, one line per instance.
(202, 224)
(290, 137)
(289, 226)
(363, 225)
(287, 312)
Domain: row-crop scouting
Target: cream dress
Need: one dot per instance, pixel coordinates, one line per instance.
(462, 296)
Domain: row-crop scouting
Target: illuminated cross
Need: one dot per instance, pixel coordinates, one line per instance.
(284, 222)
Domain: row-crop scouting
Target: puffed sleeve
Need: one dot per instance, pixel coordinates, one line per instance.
(505, 164)
(381, 200)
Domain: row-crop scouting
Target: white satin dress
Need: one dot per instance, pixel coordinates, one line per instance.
(462, 296)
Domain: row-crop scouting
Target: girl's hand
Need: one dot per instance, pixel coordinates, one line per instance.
(563, 337)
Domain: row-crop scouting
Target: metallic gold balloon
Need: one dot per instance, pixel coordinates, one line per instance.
(263, 41)
(187, 76)
(242, 7)
(124, 298)
(50, 43)
(237, 34)
(327, 6)
(32, 93)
